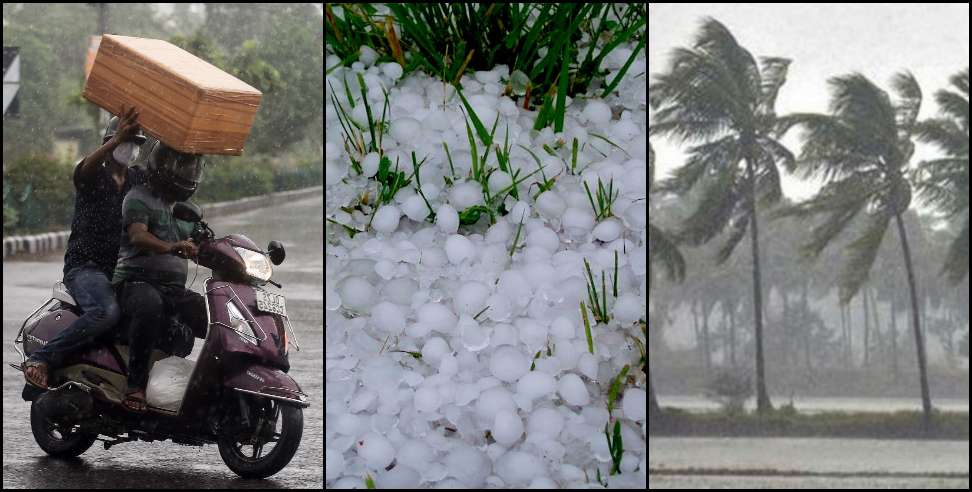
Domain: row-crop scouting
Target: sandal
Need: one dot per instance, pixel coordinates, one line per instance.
(134, 400)
(35, 372)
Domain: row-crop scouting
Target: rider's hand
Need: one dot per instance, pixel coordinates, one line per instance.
(127, 125)
(184, 249)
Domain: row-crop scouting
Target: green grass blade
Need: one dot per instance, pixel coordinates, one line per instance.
(624, 69)
(451, 168)
(477, 123)
(562, 91)
(473, 151)
(615, 273)
(615, 388)
(371, 119)
(543, 116)
(587, 328)
(573, 157)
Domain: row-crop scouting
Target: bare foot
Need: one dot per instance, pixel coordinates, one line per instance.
(36, 373)
(135, 400)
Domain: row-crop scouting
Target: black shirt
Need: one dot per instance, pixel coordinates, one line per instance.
(96, 227)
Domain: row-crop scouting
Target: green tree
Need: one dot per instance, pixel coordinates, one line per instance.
(663, 250)
(716, 95)
(862, 150)
(945, 181)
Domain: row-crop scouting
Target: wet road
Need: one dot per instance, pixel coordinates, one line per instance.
(26, 284)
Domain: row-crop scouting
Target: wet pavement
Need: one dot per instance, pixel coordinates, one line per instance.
(27, 284)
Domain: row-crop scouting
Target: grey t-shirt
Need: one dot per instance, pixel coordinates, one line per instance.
(141, 205)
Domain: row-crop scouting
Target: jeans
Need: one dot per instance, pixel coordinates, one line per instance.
(93, 292)
(150, 307)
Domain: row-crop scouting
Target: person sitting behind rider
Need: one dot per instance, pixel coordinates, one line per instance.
(101, 180)
(152, 268)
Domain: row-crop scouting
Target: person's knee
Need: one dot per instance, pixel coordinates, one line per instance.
(104, 318)
(145, 302)
(112, 315)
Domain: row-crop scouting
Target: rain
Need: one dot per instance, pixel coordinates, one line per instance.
(156, 157)
(809, 231)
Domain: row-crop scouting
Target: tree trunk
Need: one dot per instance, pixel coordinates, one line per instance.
(706, 339)
(926, 404)
(867, 328)
(763, 404)
(894, 337)
(732, 336)
(653, 407)
(878, 337)
(845, 337)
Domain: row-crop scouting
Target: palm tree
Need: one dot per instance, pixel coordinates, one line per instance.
(663, 250)
(862, 150)
(718, 98)
(945, 181)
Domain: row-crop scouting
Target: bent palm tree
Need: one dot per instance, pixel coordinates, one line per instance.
(945, 181)
(717, 96)
(863, 149)
(663, 250)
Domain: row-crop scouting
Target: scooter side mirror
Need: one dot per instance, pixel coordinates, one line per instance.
(187, 211)
(276, 252)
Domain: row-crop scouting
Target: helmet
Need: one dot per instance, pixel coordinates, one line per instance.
(112, 128)
(173, 174)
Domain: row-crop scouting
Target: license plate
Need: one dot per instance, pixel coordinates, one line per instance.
(271, 303)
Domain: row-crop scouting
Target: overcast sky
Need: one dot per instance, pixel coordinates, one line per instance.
(823, 40)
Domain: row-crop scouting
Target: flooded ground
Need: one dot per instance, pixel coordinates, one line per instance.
(697, 404)
(164, 464)
(695, 482)
(806, 463)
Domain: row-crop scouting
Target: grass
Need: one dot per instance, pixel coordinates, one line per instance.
(516, 239)
(353, 132)
(418, 186)
(605, 199)
(787, 422)
(561, 107)
(597, 298)
(615, 273)
(371, 120)
(484, 136)
(480, 172)
(624, 69)
(545, 184)
(452, 168)
(389, 182)
(609, 142)
(573, 156)
(476, 317)
(352, 138)
(615, 446)
(540, 41)
(616, 388)
(587, 328)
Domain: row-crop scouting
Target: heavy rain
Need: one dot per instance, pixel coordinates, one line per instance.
(808, 245)
(163, 261)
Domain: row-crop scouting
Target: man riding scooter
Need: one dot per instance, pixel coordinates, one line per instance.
(152, 268)
(101, 181)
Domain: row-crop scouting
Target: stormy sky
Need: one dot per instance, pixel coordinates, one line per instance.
(824, 40)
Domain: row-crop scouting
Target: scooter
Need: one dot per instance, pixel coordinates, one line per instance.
(238, 396)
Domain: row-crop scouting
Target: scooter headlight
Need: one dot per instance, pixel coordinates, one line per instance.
(257, 264)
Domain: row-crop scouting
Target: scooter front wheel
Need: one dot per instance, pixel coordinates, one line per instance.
(255, 464)
(55, 439)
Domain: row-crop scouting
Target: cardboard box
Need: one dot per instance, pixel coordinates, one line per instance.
(182, 100)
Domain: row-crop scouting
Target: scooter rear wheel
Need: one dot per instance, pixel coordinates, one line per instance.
(52, 439)
(292, 428)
